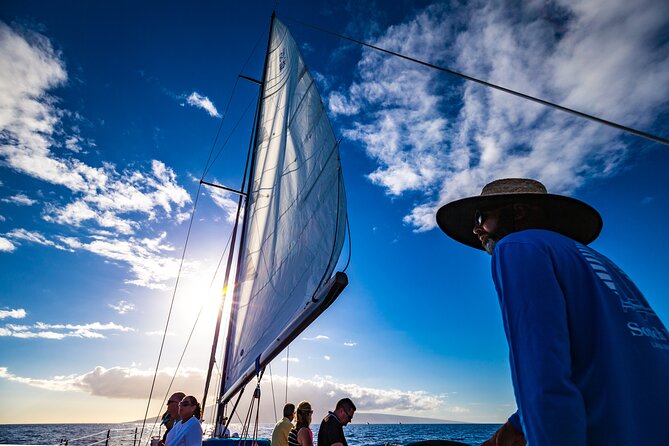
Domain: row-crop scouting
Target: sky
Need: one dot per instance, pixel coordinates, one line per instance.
(108, 114)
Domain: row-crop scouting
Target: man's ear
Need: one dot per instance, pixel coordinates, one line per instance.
(520, 211)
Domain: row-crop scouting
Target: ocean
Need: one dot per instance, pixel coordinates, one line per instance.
(356, 434)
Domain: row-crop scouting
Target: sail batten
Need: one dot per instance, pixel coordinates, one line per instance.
(294, 221)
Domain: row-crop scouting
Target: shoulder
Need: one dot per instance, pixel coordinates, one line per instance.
(534, 240)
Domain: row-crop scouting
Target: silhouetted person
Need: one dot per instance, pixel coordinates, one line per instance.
(589, 357)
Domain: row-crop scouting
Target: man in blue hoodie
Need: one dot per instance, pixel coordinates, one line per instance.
(589, 357)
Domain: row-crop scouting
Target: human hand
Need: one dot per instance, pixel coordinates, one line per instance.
(507, 435)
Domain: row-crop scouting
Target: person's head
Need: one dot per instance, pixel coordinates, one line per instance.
(345, 410)
(303, 414)
(173, 404)
(289, 411)
(188, 408)
(492, 224)
(514, 204)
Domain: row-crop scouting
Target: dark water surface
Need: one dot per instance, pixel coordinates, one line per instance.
(357, 434)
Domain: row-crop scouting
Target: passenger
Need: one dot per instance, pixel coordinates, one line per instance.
(331, 432)
(188, 431)
(301, 434)
(171, 416)
(283, 426)
(589, 357)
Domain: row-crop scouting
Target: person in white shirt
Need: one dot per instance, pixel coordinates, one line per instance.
(188, 430)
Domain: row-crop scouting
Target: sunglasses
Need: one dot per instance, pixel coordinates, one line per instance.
(172, 402)
(479, 218)
(185, 404)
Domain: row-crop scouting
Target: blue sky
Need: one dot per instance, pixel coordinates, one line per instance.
(108, 112)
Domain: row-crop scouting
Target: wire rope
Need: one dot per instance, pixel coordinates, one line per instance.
(197, 318)
(528, 97)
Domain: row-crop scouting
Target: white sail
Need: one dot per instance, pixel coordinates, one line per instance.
(296, 214)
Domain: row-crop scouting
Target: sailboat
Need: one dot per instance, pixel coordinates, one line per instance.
(293, 224)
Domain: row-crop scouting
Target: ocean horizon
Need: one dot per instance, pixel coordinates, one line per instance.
(125, 434)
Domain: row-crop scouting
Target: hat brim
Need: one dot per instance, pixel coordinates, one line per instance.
(567, 216)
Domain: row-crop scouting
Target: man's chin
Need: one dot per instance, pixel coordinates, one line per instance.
(489, 246)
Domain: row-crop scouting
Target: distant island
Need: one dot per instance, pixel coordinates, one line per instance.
(384, 418)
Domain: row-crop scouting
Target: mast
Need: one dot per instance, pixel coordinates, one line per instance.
(233, 310)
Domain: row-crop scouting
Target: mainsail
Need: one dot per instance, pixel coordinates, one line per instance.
(295, 217)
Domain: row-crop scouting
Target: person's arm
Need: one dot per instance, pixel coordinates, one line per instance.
(304, 437)
(507, 435)
(535, 320)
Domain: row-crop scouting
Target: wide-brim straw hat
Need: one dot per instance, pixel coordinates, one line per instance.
(565, 215)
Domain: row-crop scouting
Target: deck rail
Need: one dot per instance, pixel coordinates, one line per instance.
(108, 437)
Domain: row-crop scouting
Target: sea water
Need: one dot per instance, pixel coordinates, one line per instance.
(356, 434)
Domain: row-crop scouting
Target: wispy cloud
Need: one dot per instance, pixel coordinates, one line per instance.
(323, 393)
(226, 201)
(122, 307)
(115, 382)
(18, 313)
(6, 245)
(41, 330)
(293, 359)
(159, 333)
(441, 139)
(19, 199)
(35, 237)
(317, 338)
(350, 344)
(203, 102)
(101, 204)
(326, 357)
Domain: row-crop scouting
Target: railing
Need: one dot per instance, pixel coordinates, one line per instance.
(109, 437)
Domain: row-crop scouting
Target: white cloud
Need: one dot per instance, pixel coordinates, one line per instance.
(444, 139)
(20, 199)
(122, 307)
(6, 245)
(290, 359)
(224, 200)
(317, 338)
(100, 201)
(115, 382)
(41, 330)
(326, 357)
(159, 333)
(203, 102)
(19, 313)
(34, 237)
(350, 344)
(323, 393)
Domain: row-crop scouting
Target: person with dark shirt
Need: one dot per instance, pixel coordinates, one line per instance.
(331, 432)
(589, 357)
(171, 416)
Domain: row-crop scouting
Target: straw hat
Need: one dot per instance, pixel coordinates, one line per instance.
(568, 216)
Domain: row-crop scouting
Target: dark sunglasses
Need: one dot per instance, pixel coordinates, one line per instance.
(185, 404)
(172, 402)
(479, 218)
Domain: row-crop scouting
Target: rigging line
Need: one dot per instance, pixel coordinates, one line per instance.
(287, 362)
(348, 228)
(580, 114)
(169, 313)
(227, 106)
(197, 318)
(271, 382)
(228, 138)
